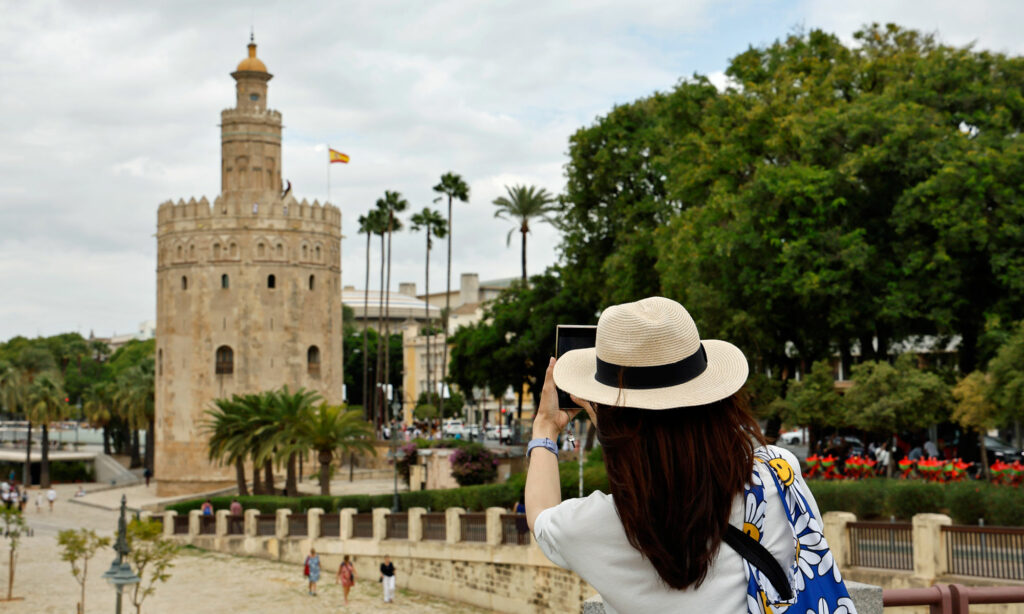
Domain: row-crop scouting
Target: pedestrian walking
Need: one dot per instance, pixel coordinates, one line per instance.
(346, 576)
(39, 501)
(312, 570)
(387, 579)
(148, 474)
(24, 499)
(51, 496)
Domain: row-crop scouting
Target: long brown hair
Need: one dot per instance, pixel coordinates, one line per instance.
(673, 475)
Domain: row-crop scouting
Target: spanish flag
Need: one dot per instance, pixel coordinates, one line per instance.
(337, 156)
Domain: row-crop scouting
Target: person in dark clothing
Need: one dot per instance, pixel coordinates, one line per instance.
(387, 578)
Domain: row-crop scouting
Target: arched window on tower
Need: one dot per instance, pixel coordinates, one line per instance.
(317, 251)
(224, 282)
(216, 251)
(234, 250)
(271, 282)
(313, 361)
(191, 252)
(179, 252)
(312, 281)
(305, 252)
(225, 361)
(184, 282)
(261, 250)
(280, 247)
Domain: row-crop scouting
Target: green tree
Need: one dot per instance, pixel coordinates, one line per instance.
(283, 426)
(523, 204)
(371, 223)
(455, 188)
(14, 528)
(392, 203)
(813, 401)
(889, 398)
(1007, 380)
(151, 557)
(45, 404)
(329, 428)
(230, 441)
(99, 407)
(77, 547)
(433, 225)
(973, 408)
(354, 361)
(136, 398)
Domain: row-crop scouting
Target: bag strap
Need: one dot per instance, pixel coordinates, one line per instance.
(752, 550)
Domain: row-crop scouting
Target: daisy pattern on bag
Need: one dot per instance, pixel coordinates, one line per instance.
(843, 606)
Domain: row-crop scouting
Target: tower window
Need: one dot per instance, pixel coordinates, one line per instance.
(317, 250)
(280, 247)
(184, 282)
(179, 252)
(305, 252)
(254, 97)
(191, 252)
(271, 281)
(313, 361)
(224, 283)
(312, 280)
(216, 251)
(225, 363)
(261, 251)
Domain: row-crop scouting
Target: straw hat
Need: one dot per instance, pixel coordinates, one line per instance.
(667, 363)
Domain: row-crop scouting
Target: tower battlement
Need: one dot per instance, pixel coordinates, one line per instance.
(235, 206)
(258, 114)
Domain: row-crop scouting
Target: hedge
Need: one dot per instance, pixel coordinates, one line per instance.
(60, 471)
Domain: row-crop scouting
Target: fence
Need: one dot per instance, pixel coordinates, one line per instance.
(236, 525)
(330, 525)
(888, 545)
(181, 525)
(434, 527)
(266, 524)
(362, 526)
(207, 525)
(514, 530)
(474, 528)
(397, 526)
(298, 525)
(988, 552)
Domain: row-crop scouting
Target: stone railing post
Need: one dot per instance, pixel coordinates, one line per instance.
(169, 517)
(494, 525)
(453, 524)
(380, 523)
(222, 522)
(313, 522)
(145, 516)
(281, 523)
(250, 519)
(416, 523)
(929, 555)
(416, 477)
(345, 520)
(837, 534)
(193, 523)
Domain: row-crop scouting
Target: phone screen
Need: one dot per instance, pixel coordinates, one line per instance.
(572, 337)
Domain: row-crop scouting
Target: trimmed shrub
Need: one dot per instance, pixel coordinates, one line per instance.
(1005, 506)
(967, 501)
(906, 498)
(473, 464)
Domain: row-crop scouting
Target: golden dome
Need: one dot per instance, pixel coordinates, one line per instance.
(252, 63)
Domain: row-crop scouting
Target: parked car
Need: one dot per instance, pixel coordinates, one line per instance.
(499, 432)
(453, 426)
(791, 438)
(1000, 450)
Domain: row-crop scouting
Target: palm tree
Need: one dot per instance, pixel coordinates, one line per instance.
(136, 396)
(431, 221)
(452, 186)
(230, 441)
(371, 223)
(326, 428)
(99, 406)
(524, 203)
(392, 203)
(30, 362)
(45, 404)
(286, 410)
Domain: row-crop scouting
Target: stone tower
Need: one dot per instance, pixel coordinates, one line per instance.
(248, 291)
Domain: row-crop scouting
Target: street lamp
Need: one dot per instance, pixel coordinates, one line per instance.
(395, 407)
(120, 573)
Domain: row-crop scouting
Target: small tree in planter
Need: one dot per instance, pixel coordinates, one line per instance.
(77, 547)
(150, 556)
(473, 464)
(14, 528)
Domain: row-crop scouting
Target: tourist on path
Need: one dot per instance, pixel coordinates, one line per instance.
(51, 496)
(312, 569)
(39, 501)
(387, 579)
(236, 508)
(701, 511)
(206, 508)
(346, 576)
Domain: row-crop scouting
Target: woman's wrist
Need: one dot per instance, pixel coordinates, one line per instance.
(545, 428)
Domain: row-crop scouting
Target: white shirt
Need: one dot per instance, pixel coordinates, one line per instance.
(51, 494)
(586, 536)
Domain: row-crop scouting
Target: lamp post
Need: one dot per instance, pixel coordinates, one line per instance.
(395, 406)
(120, 573)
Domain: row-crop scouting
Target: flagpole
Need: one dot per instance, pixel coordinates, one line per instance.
(328, 173)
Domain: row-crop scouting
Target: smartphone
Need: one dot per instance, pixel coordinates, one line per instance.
(572, 337)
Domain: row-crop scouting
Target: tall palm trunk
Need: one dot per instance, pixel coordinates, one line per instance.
(268, 476)
(378, 394)
(524, 229)
(426, 313)
(325, 457)
(26, 472)
(366, 326)
(291, 486)
(446, 315)
(240, 477)
(387, 322)
(136, 460)
(44, 466)
(257, 486)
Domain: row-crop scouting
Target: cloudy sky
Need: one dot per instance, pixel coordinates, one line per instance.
(110, 108)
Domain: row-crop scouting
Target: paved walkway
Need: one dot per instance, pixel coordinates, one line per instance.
(201, 582)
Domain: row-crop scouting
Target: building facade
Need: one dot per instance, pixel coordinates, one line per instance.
(248, 291)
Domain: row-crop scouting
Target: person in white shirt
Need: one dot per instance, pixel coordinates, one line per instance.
(679, 446)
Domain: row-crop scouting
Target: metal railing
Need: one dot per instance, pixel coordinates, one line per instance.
(157, 519)
(474, 528)
(397, 526)
(266, 524)
(236, 525)
(987, 552)
(207, 525)
(330, 525)
(514, 530)
(434, 526)
(181, 525)
(887, 545)
(362, 525)
(298, 525)
(951, 598)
